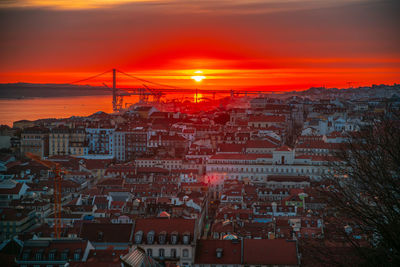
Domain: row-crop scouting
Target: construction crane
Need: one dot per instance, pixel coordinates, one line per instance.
(156, 94)
(57, 170)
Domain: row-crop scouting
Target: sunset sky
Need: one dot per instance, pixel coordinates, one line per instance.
(270, 44)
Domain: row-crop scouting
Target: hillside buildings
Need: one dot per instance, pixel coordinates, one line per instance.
(229, 187)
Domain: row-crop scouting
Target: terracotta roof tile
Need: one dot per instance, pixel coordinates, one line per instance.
(206, 252)
(270, 252)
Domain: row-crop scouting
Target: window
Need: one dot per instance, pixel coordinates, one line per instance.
(38, 256)
(25, 255)
(138, 237)
(173, 253)
(162, 237)
(186, 238)
(150, 237)
(64, 255)
(149, 252)
(185, 253)
(161, 252)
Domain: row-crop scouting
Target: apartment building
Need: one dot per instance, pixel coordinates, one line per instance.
(35, 140)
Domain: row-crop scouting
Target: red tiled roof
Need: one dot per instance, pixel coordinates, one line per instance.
(95, 164)
(230, 148)
(69, 184)
(100, 200)
(11, 191)
(270, 252)
(284, 148)
(206, 252)
(103, 258)
(335, 134)
(260, 144)
(168, 225)
(107, 232)
(193, 184)
(11, 214)
(111, 182)
(12, 164)
(66, 246)
(117, 203)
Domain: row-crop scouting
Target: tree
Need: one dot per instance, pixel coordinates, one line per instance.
(364, 193)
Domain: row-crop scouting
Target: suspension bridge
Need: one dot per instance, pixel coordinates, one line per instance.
(153, 91)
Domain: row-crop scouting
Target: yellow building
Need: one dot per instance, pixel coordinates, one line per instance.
(59, 141)
(22, 124)
(35, 140)
(77, 143)
(66, 141)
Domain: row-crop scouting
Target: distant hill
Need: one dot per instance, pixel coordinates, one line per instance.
(381, 90)
(30, 90)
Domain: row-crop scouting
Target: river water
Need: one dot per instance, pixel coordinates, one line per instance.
(64, 107)
(60, 107)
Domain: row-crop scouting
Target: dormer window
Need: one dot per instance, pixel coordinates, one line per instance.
(219, 252)
(186, 238)
(162, 237)
(174, 238)
(138, 237)
(150, 237)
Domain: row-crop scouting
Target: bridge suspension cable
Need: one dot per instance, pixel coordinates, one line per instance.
(147, 81)
(91, 77)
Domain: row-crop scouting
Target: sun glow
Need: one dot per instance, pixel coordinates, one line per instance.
(198, 78)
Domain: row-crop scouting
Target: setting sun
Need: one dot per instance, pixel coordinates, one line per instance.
(198, 78)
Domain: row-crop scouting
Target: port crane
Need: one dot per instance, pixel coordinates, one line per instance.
(58, 171)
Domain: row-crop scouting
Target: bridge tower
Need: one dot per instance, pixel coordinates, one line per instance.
(114, 90)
